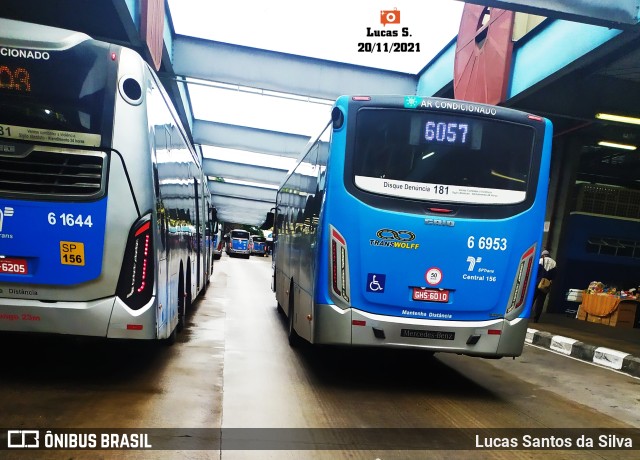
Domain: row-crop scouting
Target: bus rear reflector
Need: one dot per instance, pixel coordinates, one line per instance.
(339, 256)
(134, 327)
(494, 332)
(135, 285)
(521, 283)
(358, 322)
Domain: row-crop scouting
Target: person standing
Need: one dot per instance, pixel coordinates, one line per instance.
(546, 274)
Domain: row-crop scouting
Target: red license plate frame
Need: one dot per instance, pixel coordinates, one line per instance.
(14, 266)
(430, 295)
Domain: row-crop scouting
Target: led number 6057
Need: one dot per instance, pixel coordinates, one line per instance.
(488, 243)
(70, 220)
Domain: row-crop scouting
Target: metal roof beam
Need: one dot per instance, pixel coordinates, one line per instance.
(251, 139)
(245, 172)
(621, 14)
(270, 70)
(241, 211)
(245, 192)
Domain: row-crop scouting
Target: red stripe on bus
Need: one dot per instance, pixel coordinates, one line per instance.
(337, 236)
(143, 229)
(528, 253)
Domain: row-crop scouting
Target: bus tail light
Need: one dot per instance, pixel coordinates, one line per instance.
(340, 284)
(521, 283)
(135, 285)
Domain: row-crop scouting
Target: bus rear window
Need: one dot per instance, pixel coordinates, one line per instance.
(54, 90)
(239, 234)
(443, 157)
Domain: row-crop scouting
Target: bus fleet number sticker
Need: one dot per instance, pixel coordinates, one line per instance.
(71, 253)
(70, 220)
(487, 243)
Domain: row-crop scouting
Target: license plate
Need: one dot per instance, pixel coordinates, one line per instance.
(14, 266)
(435, 335)
(430, 295)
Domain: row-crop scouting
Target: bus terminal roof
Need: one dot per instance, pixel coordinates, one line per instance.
(603, 76)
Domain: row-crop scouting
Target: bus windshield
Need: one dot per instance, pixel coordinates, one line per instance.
(61, 91)
(442, 157)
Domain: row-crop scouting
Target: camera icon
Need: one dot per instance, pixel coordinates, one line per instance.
(390, 17)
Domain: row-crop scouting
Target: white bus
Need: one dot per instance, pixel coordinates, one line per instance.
(104, 208)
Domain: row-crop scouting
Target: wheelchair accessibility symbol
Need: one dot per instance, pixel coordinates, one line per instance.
(375, 282)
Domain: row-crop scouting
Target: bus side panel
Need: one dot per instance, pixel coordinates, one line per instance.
(166, 290)
(135, 151)
(281, 259)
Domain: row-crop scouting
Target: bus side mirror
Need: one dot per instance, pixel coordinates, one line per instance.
(268, 222)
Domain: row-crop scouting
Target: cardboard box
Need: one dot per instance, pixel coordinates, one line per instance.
(581, 315)
(627, 306)
(615, 322)
(595, 319)
(624, 316)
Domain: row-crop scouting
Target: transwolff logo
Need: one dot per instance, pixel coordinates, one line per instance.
(394, 239)
(7, 212)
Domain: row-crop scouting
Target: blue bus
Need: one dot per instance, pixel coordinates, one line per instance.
(414, 222)
(106, 213)
(258, 245)
(238, 243)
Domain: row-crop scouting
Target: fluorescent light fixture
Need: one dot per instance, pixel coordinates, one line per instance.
(616, 145)
(618, 118)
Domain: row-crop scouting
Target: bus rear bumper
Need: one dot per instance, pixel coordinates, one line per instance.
(97, 318)
(491, 338)
(73, 318)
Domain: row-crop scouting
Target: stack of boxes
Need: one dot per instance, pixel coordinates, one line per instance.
(608, 310)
